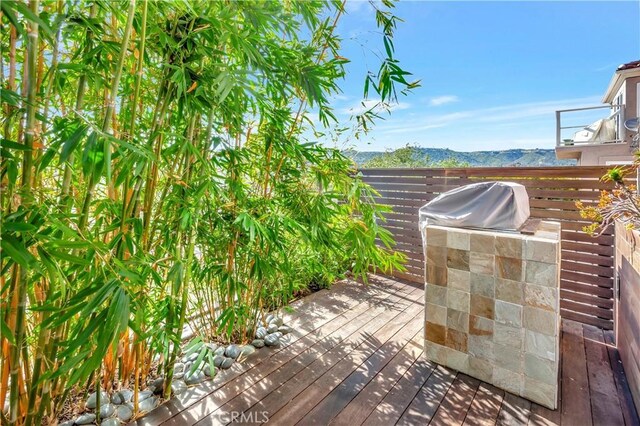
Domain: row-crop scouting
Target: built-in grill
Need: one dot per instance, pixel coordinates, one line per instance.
(492, 289)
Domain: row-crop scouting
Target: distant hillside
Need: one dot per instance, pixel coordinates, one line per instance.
(510, 157)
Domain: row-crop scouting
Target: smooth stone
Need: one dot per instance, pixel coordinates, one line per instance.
(278, 333)
(217, 360)
(178, 386)
(107, 410)
(178, 375)
(178, 367)
(247, 350)
(92, 401)
(117, 398)
(187, 367)
(158, 383)
(124, 412)
(271, 340)
(85, 419)
(277, 321)
(258, 343)
(228, 362)
(261, 332)
(272, 328)
(232, 351)
(67, 423)
(151, 388)
(219, 350)
(145, 394)
(148, 404)
(193, 356)
(269, 318)
(110, 422)
(284, 329)
(211, 346)
(197, 377)
(207, 370)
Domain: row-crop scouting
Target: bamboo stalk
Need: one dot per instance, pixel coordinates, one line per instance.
(21, 287)
(106, 123)
(79, 105)
(11, 82)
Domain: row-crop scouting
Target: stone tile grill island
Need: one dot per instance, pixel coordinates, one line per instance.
(492, 293)
(492, 306)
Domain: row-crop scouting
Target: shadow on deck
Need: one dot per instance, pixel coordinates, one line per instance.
(355, 357)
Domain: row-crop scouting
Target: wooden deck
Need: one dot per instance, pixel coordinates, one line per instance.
(356, 358)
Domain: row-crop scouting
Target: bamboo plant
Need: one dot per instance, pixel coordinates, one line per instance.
(155, 174)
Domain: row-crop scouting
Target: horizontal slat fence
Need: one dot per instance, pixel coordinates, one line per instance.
(586, 277)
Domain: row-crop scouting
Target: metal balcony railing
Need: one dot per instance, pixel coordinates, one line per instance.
(565, 134)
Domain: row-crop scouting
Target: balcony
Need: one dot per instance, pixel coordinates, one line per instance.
(599, 142)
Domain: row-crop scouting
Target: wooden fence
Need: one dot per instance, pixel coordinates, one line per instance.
(586, 286)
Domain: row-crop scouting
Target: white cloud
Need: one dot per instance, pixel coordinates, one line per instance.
(443, 100)
(518, 125)
(497, 114)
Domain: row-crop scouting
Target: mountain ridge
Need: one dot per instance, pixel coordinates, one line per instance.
(496, 158)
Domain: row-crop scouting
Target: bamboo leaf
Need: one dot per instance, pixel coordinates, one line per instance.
(7, 144)
(30, 16)
(16, 251)
(8, 8)
(6, 331)
(72, 143)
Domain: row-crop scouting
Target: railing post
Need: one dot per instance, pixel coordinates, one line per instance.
(558, 132)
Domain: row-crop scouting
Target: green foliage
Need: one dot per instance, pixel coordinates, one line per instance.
(506, 158)
(622, 204)
(158, 178)
(409, 156)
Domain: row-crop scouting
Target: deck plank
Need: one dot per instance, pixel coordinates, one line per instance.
(428, 399)
(629, 411)
(485, 407)
(576, 402)
(371, 396)
(457, 401)
(542, 416)
(605, 406)
(514, 411)
(394, 403)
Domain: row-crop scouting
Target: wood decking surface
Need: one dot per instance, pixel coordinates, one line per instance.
(355, 357)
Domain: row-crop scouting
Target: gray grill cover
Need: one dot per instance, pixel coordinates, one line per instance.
(489, 205)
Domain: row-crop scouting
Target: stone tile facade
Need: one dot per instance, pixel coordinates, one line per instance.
(492, 307)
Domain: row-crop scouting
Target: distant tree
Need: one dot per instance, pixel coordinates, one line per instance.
(410, 156)
(450, 163)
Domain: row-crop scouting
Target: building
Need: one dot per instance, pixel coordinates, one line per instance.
(605, 141)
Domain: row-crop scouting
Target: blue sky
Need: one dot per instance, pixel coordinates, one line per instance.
(493, 73)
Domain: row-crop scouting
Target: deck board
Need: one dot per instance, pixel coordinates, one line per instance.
(355, 357)
(514, 411)
(605, 406)
(485, 407)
